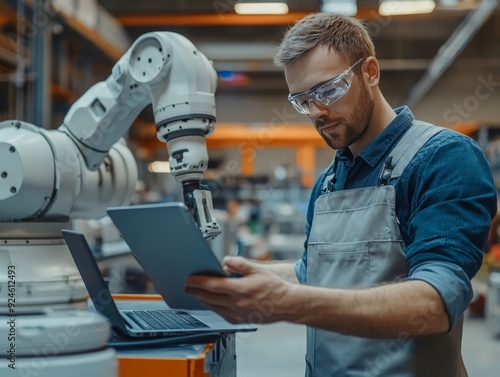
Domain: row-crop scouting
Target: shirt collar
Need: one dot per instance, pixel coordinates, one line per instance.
(376, 150)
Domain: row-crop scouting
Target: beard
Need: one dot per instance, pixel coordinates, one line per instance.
(351, 128)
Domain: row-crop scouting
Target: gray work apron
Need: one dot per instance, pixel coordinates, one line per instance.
(355, 242)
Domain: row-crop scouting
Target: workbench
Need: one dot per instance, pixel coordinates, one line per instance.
(215, 359)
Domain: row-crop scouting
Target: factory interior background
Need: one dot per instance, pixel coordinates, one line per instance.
(263, 156)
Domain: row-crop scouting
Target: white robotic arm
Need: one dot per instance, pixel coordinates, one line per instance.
(44, 177)
(81, 168)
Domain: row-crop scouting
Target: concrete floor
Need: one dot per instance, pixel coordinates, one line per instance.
(278, 351)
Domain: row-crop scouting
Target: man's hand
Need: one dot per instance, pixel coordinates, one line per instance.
(262, 296)
(259, 296)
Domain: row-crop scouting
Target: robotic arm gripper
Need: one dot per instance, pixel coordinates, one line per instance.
(83, 167)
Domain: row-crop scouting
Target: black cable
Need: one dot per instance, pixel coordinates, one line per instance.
(166, 341)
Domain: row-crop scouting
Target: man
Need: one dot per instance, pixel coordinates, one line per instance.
(396, 224)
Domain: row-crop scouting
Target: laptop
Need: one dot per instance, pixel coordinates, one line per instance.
(141, 319)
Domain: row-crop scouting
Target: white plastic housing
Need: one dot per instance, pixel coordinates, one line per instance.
(43, 175)
(26, 171)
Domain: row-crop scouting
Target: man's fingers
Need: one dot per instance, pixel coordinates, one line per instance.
(217, 285)
(207, 283)
(210, 297)
(223, 306)
(240, 265)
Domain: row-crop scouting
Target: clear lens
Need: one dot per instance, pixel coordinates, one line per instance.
(300, 103)
(331, 92)
(326, 94)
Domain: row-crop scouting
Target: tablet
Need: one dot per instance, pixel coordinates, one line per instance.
(169, 246)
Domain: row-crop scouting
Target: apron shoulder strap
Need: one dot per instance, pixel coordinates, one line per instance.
(411, 142)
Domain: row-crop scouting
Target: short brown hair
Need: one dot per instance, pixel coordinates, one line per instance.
(345, 35)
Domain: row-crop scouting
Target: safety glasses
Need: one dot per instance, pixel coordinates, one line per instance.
(325, 93)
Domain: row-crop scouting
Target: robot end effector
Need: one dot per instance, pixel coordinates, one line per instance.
(180, 83)
(184, 112)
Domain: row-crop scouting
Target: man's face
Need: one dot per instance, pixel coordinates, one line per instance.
(343, 123)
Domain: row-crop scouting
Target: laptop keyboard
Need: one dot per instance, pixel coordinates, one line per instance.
(164, 319)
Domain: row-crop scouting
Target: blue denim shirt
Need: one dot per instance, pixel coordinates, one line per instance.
(445, 200)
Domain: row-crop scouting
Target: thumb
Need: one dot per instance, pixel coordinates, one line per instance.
(240, 265)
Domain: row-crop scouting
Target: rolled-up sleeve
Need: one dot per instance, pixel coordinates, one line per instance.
(452, 284)
(452, 199)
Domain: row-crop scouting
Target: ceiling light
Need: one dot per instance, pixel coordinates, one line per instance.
(346, 7)
(261, 8)
(392, 8)
(159, 167)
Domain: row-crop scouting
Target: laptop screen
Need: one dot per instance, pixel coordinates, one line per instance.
(91, 275)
